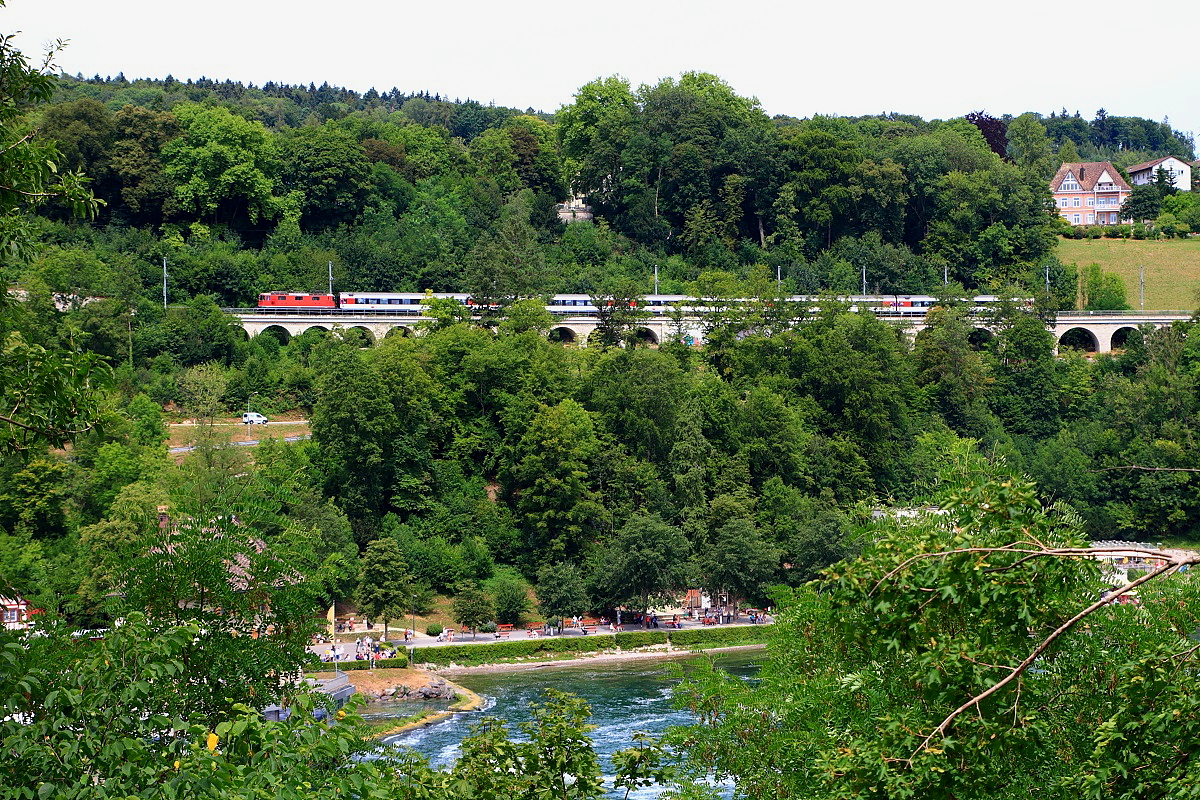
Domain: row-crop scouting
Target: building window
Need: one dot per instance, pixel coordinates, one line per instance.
(1091, 219)
(1075, 219)
(1091, 201)
(1075, 202)
(1069, 185)
(10, 615)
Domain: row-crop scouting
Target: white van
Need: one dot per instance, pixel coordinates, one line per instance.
(253, 418)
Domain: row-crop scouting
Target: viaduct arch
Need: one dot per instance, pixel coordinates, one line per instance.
(1097, 331)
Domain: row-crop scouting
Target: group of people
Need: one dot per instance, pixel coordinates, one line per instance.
(365, 649)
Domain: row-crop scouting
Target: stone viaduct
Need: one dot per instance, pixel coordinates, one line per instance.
(1091, 331)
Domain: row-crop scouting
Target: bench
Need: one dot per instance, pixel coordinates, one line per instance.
(504, 631)
(587, 628)
(533, 632)
(709, 621)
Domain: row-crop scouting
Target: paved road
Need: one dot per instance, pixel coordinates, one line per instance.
(298, 438)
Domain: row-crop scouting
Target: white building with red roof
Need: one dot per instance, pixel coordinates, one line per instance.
(16, 612)
(1089, 193)
(1177, 169)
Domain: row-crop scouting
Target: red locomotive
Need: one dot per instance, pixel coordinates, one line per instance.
(296, 300)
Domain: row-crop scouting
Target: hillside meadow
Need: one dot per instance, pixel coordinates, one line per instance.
(1172, 267)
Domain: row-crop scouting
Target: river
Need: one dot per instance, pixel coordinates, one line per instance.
(625, 697)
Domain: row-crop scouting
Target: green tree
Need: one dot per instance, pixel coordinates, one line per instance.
(206, 561)
(328, 167)
(203, 389)
(1029, 147)
(510, 594)
(1103, 291)
(354, 428)
(471, 608)
(647, 562)
(561, 591)
(618, 311)
(1067, 154)
(549, 477)
(224, 167)
(952, 374)
(945, 662)
(47, 395)
(1024, 393)
(738, 564)
(1144, 203)
(508, 263)
(557, 759)
(385, 587)
(29, 162)
(141, 186)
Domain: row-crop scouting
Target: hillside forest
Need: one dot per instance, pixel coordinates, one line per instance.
(481, 454)
(480, 466)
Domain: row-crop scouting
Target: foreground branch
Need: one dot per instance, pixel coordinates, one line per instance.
(1172, 563)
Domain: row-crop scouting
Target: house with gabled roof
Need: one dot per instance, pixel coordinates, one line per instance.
(1177, 169)
(16, 612)
(1089, 193)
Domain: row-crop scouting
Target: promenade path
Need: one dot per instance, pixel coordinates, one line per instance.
(421, 639)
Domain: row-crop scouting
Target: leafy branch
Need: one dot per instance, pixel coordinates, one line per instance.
(1171, 563)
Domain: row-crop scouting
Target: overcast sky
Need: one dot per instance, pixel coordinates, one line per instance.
(934, 58)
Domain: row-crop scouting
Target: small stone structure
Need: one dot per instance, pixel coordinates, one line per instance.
(435, 689)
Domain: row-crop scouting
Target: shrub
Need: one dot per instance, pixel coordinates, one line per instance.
(487, 627)
(400, 661)
(469, 654)
(433, 630)
(723, 636)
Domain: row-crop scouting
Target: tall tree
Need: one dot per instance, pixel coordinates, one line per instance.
(647, 562)
(385, 587)
(1029, 147)
(329, 168)
(554, 494)
(224, 167)
(29, 173)
(561, 591)
(508, 263)
(471, 608)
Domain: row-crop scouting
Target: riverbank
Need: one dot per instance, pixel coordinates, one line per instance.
(465, 700)
(585, 659)
(387, 684)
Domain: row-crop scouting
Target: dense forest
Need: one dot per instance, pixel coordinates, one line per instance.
(484, 452)
(481, 460)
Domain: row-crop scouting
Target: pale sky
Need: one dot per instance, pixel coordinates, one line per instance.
(933, 58)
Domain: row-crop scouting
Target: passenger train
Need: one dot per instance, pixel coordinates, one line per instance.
(411, 303)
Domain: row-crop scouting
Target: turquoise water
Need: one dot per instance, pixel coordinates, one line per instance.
(624, 697)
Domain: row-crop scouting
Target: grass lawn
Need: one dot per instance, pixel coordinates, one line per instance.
(1172, 267)
(182, 434)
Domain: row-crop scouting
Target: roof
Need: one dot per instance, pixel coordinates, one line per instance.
(1150, 164)
(1088, 173)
